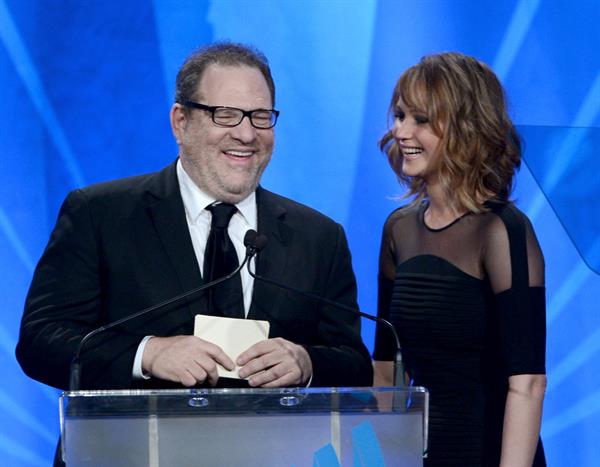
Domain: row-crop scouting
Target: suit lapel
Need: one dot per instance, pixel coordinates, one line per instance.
(168, 217)
(166, 211)
(272, 261)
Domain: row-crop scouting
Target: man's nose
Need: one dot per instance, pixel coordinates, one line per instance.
(244, 132)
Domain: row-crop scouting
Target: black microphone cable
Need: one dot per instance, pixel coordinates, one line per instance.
(256, 242)
(75, 369)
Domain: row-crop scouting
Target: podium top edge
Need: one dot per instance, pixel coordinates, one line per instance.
(244, 391)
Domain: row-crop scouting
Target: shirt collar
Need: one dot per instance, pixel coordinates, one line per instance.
(195, 200)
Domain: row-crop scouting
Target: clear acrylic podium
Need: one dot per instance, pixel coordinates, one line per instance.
(324, 427)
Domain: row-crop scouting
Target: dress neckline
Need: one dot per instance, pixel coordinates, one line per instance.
(424, 207)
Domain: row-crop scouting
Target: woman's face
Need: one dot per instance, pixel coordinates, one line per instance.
(418, 144)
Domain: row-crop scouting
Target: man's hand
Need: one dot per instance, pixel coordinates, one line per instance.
(275, 363)
(188, 360)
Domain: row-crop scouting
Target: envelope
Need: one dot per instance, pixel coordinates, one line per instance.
(233, 335)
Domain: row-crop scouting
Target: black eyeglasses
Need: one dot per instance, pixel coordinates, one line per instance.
(230, 116)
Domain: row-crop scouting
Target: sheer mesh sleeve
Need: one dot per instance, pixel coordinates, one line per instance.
(514, 264)
(384, 341)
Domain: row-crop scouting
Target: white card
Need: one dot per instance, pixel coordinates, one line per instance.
(233, 335)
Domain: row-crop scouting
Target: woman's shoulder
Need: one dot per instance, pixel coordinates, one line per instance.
(505, 224)
(410, 210)
(507, 214)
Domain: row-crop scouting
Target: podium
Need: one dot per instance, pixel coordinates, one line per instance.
(324, 427)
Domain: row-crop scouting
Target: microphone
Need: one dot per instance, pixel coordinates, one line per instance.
(255, 242)
(75, 369)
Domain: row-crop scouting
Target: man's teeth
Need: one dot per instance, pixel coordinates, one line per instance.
(239, 153)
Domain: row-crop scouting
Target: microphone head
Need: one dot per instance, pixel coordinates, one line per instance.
(254, 242)
(260, 242)
(250, 237)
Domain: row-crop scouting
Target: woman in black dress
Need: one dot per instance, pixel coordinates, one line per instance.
(461, 274)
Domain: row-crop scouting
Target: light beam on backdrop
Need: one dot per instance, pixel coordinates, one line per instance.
(89, 101)
(25, 67)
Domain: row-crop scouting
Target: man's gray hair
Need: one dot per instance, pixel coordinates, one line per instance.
(219, 53)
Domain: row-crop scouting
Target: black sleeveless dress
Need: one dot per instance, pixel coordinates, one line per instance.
(468, 303)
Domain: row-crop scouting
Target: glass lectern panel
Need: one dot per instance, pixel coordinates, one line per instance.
(325, 427)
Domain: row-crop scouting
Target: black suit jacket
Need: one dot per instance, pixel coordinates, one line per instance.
(121, 246)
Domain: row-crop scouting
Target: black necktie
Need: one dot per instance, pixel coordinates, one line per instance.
(220, 259)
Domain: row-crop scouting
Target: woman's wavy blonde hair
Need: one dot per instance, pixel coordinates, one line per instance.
(466, 106)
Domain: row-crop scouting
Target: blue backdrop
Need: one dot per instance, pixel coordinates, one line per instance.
(85, 90)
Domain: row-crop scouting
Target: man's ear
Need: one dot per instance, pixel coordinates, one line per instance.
(178, 119)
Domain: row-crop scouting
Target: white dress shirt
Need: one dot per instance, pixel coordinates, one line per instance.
(198, 220)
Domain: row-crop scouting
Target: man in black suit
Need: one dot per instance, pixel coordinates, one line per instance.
(121, 246)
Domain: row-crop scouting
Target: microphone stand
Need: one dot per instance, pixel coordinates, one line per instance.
(257, 242)
(75, 369)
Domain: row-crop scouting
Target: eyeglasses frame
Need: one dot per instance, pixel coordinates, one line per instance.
(245, 113)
